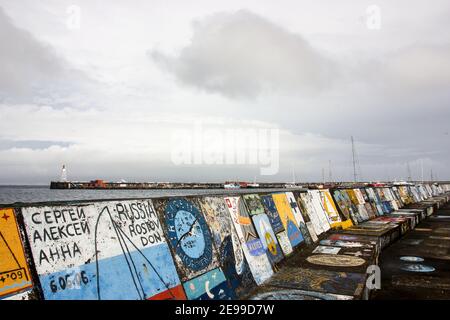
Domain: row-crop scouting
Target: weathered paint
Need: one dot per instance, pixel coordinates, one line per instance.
(330, 208)
(253, 204)
(117, 249)
(375, 201)
(354, 203)
(320, 212)
(209, 286)
(306, 218)
(288, 219)
(320, 280)
(24, 295)
(231, 256)
(370, 205)
(268, 238)
(252, 246)
(359, 196)
(341, 205)
(306, 200)
(309, 238)
(272, 213)
(284, 242)
(274, 293)
(294, 207)
(14, 272)
(188, 235)
(106, 250)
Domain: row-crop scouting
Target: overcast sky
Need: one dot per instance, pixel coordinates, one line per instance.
(105, 93)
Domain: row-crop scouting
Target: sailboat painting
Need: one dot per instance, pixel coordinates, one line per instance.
(108, 250)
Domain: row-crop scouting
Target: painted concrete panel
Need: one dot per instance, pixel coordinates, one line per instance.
(253, 204)
(268, 237)
(231, 256)
(317, 204)
(288, 219)
(209, 286)
(251, 244)
(188, 235)
(14, 272)
(330, 207)
(309, 238)
(272, 213)
(284, 242)
(106, 250)
(306, 218)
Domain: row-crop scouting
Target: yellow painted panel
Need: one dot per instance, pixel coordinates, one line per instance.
(352, 196)
(14, 272)
(330, 207)
(284, 209)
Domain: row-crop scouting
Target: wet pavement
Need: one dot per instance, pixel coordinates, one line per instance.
(417, 266)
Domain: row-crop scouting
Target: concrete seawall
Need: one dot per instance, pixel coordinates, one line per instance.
(217, 246)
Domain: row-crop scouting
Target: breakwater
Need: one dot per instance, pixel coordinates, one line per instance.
(251, 245)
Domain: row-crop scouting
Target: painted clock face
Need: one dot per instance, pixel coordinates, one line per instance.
(188, 234)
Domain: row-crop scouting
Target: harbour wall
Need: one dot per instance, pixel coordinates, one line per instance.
(215, 246)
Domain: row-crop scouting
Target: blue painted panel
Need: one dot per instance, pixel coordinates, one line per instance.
(209, 286)
(272, 213)
(137, 275)
(268, 238)
(294, 234)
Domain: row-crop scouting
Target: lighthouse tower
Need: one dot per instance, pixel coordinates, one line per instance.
(63, 174)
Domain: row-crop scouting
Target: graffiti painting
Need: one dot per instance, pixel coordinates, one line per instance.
(284, 242)
(106, 250)
(252, 246)
(335, 260)
(272, 213)
(342, 204)
(319, 209)
(188, 235)
(330, 207)
(353, 203)
(253, 204)
(299, 219)
(274, 293)
(209, 286)
(231, 256)
(345, 283)
(288, 219)
(306, 218)
(268, 237)
(14, 273)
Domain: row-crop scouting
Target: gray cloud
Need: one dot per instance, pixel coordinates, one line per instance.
(31, 144)
(32, 71)
(387, 88)
(242, 54)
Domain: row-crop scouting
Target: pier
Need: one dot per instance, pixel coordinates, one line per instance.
(341, 242)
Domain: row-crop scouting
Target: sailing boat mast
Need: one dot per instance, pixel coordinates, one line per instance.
(330, 175)
(354, 159)
(409, 173)
(293, 174)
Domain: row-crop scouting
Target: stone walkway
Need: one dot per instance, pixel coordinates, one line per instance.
(418, 265)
